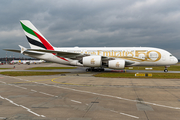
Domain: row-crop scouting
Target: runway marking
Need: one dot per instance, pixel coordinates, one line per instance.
(3, 118)
(29, 110)
(41, 80)
(17, 86)
(165, 106)
(125, 114)
(30, 81)
(31, 89)
(47, 94)
(3, 82)
(76, 101)
(20, 82)
(114, 97)
(129, 115)
(43, 116)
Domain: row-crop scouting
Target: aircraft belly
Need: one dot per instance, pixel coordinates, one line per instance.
(52, 58)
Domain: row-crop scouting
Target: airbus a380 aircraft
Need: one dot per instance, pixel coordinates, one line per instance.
(96, 58)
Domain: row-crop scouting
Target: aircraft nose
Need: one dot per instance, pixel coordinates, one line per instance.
(175, 60)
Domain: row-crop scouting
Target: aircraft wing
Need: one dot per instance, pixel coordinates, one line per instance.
(61, 53)
(64, 54)
(73, 55)
(25, 52)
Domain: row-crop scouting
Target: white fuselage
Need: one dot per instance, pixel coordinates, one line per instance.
(140, 56)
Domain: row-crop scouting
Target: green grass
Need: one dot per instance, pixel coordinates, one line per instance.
(50, 68)
(5, 68)
(171, 68)
(132, 75)
(29, 73)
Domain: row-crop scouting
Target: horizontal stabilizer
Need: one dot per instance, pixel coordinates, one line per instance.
(22, 49)
(25, 52)
(12, 50)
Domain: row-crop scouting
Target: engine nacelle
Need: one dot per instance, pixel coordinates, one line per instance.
(92, 61)
(116, 64)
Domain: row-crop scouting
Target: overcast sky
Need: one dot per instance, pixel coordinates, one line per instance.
(93, 23)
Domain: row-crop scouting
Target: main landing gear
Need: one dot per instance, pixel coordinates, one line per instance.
(95, 69)
(165, 69)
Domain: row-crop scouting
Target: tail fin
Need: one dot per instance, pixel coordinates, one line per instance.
(34, 37)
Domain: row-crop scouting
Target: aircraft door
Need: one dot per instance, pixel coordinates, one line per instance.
(153, 55)
(163, 57)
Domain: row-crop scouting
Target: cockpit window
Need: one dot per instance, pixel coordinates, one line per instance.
(171, 55)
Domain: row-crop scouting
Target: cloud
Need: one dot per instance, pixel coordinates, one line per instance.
(134, 23)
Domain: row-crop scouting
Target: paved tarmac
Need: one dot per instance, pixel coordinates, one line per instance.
(77, 96)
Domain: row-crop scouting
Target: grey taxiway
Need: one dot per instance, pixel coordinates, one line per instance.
(80, 96)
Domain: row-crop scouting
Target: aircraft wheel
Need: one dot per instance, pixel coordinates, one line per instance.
(165, 70)
(99, 70)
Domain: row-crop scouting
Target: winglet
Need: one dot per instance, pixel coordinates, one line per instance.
(22, 49)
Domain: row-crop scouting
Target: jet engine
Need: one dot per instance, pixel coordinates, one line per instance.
(116, 64)
(92, 61)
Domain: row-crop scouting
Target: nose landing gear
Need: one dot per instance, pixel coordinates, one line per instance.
(165, 69)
